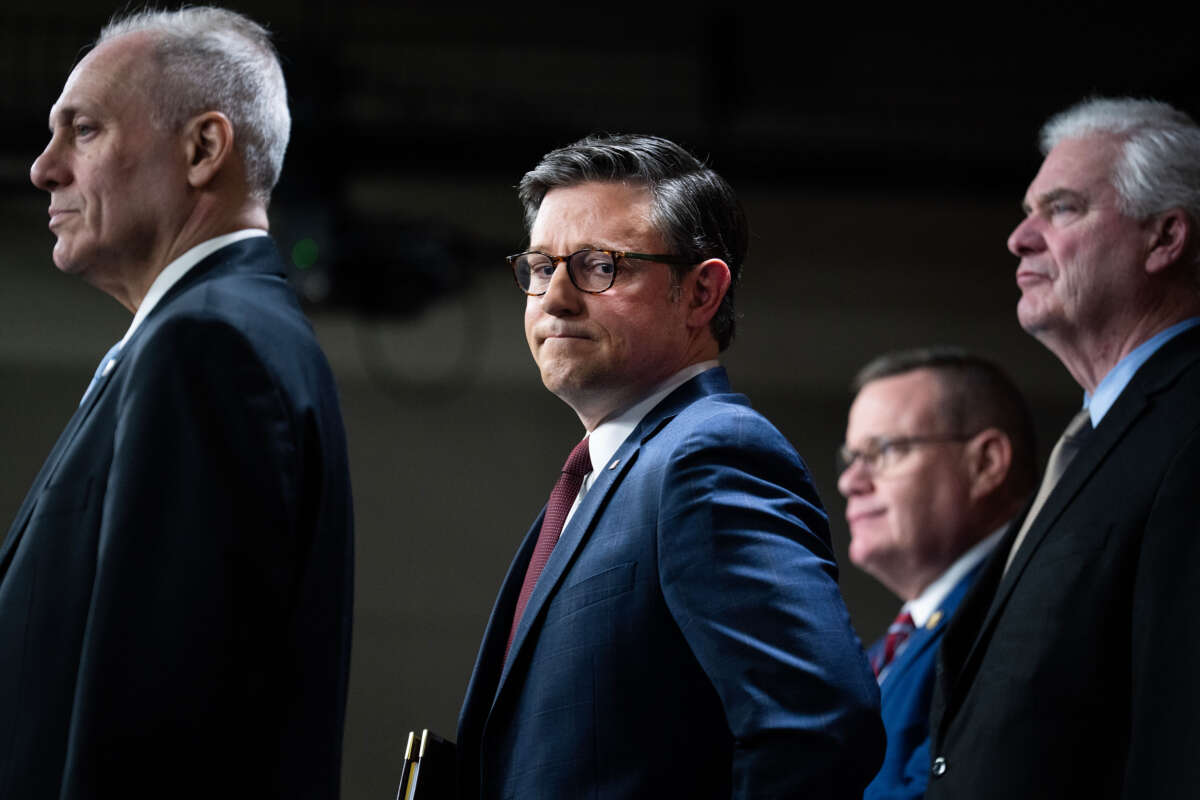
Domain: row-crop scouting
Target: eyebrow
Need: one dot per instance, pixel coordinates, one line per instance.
(576, 250)
(63, 114)
(1050, 197)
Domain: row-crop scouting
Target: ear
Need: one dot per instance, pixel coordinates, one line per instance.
(208, 140)
(989, 457)
(708, 284)
(1171, 237)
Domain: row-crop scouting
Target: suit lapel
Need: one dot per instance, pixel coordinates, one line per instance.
(582, 523)
(928, 634)
(255, 253)
(1153, 377)
(50, 467)
(1080, 470)
(918, 640)
(576, 532)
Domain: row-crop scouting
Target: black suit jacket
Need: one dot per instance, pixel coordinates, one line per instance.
(1073, 674)
(175, 592)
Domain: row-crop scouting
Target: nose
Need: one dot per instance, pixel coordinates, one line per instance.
(48, 171)
(562, 299)
(855, 479)
(1026, 239)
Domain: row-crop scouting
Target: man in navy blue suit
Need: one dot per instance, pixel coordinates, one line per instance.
(939, 455)
(686, 636)
(175, 592)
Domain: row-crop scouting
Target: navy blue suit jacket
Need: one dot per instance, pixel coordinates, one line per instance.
(687, 637)
(905, 695)
(175, 592)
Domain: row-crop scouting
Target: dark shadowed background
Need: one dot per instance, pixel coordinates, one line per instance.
(881, 161)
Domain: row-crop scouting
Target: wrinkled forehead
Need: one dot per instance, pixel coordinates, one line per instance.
(115, 71)
(1083, 165)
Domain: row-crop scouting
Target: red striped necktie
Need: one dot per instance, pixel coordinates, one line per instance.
(897, 634)
(579, 464)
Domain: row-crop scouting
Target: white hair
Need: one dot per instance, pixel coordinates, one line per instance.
(212, 59)
(1159, 163)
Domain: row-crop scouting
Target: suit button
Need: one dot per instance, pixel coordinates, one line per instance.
(939, 767)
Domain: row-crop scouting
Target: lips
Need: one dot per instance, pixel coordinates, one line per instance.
(57, 214)
(855, 515)
(563, 333)
(1027, 276)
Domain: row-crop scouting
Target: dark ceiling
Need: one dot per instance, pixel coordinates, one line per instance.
(920, 100)
(943, 103)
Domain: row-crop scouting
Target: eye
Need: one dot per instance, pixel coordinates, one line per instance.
(598, 262)
(539, 266)
(890, 452)
(872, 454)
(83, 129)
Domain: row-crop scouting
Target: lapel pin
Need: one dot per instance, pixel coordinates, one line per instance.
(933, 620)
(613, 465)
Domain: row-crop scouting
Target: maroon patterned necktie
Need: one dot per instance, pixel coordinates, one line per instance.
(897, 634)
(579, 464)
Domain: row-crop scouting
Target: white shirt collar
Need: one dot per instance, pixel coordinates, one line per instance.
(923, 605)
(173, 272)
(610, 434)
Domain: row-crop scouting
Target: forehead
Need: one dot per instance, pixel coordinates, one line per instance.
(108, 79)
(1083, 165)
(596, 214)
(898, 405)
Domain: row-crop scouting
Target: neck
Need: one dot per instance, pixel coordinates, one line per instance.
(206, 222)
(1090, 358)
(594, 415)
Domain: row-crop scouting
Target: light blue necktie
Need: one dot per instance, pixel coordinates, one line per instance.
(102, 369)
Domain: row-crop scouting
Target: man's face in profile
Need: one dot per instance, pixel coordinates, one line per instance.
(113, 175)
(1080, 256)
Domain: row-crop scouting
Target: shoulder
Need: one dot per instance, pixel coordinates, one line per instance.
(727, 426)
(245, 311)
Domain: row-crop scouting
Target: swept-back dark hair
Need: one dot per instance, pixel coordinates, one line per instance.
(692, 207)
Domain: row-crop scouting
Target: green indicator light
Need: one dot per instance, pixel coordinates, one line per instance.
(304, 253)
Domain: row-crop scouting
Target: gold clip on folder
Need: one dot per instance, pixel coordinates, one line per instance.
(429, 772)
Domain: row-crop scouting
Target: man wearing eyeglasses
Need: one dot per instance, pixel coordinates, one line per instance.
(939, 455)
(671, 625)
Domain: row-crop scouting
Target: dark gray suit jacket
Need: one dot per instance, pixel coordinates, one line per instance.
(175, 592)
(1073, 674)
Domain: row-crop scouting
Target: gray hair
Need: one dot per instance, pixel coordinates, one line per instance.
(1159, 165)
(692, 207)
(212, 59)
(976, 395)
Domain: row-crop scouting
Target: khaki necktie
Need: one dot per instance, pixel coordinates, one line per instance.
(1070, 443)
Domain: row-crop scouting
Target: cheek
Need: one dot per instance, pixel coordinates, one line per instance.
(908, 511)
(531, 315)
